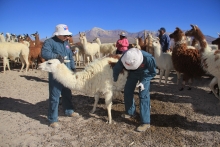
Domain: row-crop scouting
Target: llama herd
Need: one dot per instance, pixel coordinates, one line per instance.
(190, 57)
(20, 47)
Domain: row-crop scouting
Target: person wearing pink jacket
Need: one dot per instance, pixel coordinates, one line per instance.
(122, 44)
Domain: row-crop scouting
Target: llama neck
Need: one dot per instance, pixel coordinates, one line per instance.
(98, 41)
(157, 51)
(181, 41)
(67, 78)
(37, 40)
(202, 41)
(137, 42)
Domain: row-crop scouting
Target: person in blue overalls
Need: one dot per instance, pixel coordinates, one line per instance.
(58, 47)
(141, 68)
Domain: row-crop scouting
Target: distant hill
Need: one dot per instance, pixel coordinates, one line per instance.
(110, 36)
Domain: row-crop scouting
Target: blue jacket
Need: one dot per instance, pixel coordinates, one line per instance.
(53, 47)
(165, 42)
(144, 73)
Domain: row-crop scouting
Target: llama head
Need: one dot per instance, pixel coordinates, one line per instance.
(50, 65)
(35, 34)
(156, 43)
(192, 33)
(177, 35)
(216, 41)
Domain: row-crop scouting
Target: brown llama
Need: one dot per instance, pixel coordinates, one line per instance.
(210, 58)
(38, 43)
(186, 61)
(141, 43)
(217, 41)
(28, 39)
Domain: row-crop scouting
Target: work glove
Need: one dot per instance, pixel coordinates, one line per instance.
(60, 58)
(141, 86)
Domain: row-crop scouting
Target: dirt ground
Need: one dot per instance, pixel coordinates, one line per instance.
(178, 118)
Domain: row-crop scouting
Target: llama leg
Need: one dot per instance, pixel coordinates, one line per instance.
(161, 75)
(212, 84)
(219, 86)
(5, 63)
(95, 103)
(108, 103)
(26, 62)
(190, 84)
(22, 62)
(178, 77)
(167, 72)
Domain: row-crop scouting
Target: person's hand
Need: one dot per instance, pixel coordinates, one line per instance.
(141, 86)
(60, 58)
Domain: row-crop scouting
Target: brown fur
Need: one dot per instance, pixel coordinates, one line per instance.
(38, 43)
(194, 42)
(142, 44)
(35, 53)
(186, 61)
(198, 35)
(27, 38)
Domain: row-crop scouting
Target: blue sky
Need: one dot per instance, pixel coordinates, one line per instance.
(29, 16)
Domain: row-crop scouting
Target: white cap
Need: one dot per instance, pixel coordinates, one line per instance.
(122, 34)
(61, 29)
(132, 59)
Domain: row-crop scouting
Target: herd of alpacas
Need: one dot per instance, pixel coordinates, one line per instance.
(190, 57)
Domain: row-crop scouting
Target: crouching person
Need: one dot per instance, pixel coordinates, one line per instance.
(141, 68)
(57, 47)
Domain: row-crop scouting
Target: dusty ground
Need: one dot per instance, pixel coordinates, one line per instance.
(186, 118)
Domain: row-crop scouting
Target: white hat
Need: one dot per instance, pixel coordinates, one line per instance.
(61, 29)
(122, 34)
(132, 59)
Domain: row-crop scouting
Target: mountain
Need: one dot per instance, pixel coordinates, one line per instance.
(108, 36)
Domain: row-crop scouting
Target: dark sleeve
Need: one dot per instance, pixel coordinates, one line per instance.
(47, 51)
(167, 42)
(117, 69)
(150, 70)
(72, 63)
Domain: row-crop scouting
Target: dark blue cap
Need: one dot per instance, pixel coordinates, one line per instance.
(162, 29)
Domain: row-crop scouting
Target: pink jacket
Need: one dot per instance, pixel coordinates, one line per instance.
(122, 44)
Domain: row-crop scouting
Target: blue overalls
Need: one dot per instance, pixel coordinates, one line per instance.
(143, 74)
(51, 49)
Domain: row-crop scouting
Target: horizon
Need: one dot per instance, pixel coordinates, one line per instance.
(27, 17)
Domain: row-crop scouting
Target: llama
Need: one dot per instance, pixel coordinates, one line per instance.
(95, 79)
(78, 51)
(137, 43)
(90, 49)
(106, 48)
(28, 39)
(186, 61)
(8, 37)
(38, 43)
(210, 58)
(149, 46)
(12, 50)
(164, 61)
(2, 37)
(217, 42)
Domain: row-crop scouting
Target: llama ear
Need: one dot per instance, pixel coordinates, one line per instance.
(193, 26)
(177, 28)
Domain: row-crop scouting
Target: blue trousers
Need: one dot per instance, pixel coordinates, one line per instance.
(144, 97)
(55, 90)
